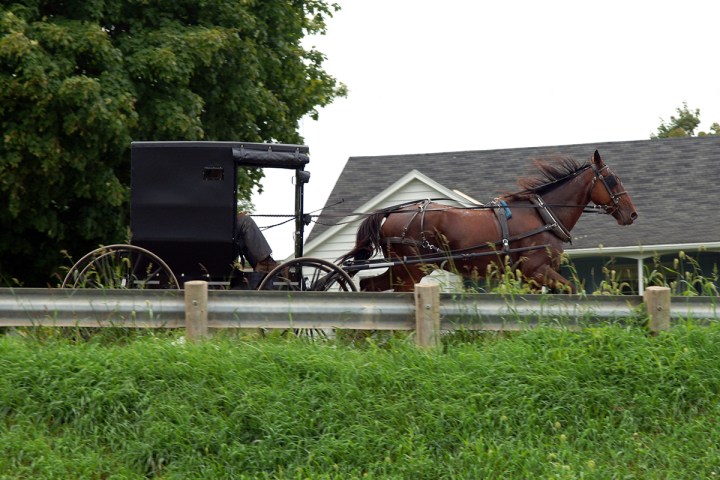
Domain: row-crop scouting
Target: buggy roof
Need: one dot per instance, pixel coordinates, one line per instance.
(263, 155)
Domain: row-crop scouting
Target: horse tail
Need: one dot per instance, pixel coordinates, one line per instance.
(367, 243)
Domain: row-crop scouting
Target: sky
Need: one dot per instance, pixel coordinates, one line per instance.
(426, 76)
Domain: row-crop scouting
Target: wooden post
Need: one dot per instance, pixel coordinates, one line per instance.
(657, 301)
(196, 310)
(427, 315)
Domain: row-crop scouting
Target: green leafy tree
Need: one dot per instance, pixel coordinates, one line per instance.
(79, 80)
(684, 124)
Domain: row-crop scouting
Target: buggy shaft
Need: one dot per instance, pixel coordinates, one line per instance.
(387, 263)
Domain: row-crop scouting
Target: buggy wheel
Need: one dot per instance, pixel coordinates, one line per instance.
(120, 266)
(308, 274)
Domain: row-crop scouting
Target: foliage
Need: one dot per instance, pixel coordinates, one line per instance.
(509, 279)
(607, 402)
(684, 124)
(684, 278)
(79, 80)
(611, 284)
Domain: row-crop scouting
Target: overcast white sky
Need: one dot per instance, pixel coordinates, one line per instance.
(427, 76)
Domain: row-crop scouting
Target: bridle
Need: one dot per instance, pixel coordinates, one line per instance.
(609, 181)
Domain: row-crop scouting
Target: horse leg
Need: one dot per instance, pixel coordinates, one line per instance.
(549, 277)
(404, 277)
(400, 278)
(378, 283)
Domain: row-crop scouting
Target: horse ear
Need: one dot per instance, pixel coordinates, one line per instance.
(596, 158)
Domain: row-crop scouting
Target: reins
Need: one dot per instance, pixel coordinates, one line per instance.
(594, 209)
(355, 265)
(597, 209)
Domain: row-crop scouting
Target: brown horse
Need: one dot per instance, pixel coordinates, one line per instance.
(527, 228)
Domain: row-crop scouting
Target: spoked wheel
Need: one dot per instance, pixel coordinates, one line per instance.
(120, 266)
(308, 274)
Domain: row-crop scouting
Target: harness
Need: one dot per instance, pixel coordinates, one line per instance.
(503, 214)
(552, 223)
(423, 242)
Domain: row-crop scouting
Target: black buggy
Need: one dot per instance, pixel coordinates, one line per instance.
(183, 222)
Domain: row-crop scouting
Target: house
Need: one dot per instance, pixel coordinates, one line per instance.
(671, 181)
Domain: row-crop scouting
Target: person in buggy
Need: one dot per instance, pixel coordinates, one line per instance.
(253, 245)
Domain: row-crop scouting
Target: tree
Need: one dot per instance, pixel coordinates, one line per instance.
(684, 124)
(79, 80)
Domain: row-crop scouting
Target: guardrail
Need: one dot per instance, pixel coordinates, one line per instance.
(327, 310)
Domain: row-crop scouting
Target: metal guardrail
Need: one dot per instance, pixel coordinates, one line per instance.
(25, 307)
(91, 308)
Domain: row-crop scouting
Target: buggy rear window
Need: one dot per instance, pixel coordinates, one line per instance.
(213, 172)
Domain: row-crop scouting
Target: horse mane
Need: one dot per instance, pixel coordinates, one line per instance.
(548, 171)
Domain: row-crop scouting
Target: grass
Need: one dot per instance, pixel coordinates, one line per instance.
(684, 276)
(606, 402)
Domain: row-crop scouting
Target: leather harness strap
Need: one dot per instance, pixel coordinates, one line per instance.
(423, 242)
(551, 224)
(554, 225)
(502, 218)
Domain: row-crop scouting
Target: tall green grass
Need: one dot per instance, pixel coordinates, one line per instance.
(684, 276)
(603, 403)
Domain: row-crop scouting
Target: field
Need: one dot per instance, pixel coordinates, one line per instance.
(609, 402)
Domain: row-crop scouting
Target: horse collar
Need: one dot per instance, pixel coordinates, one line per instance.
(553, 224)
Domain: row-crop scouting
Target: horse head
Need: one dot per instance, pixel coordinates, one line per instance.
(608, 192)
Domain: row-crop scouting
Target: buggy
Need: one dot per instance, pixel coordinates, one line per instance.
(183, 222)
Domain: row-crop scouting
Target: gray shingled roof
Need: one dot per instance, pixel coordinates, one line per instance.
(671, 181)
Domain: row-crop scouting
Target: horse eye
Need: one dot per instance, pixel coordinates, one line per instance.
(611, 181)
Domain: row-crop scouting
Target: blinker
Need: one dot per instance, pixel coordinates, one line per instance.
(611, 181)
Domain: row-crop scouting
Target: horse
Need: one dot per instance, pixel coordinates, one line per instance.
(526, 229)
